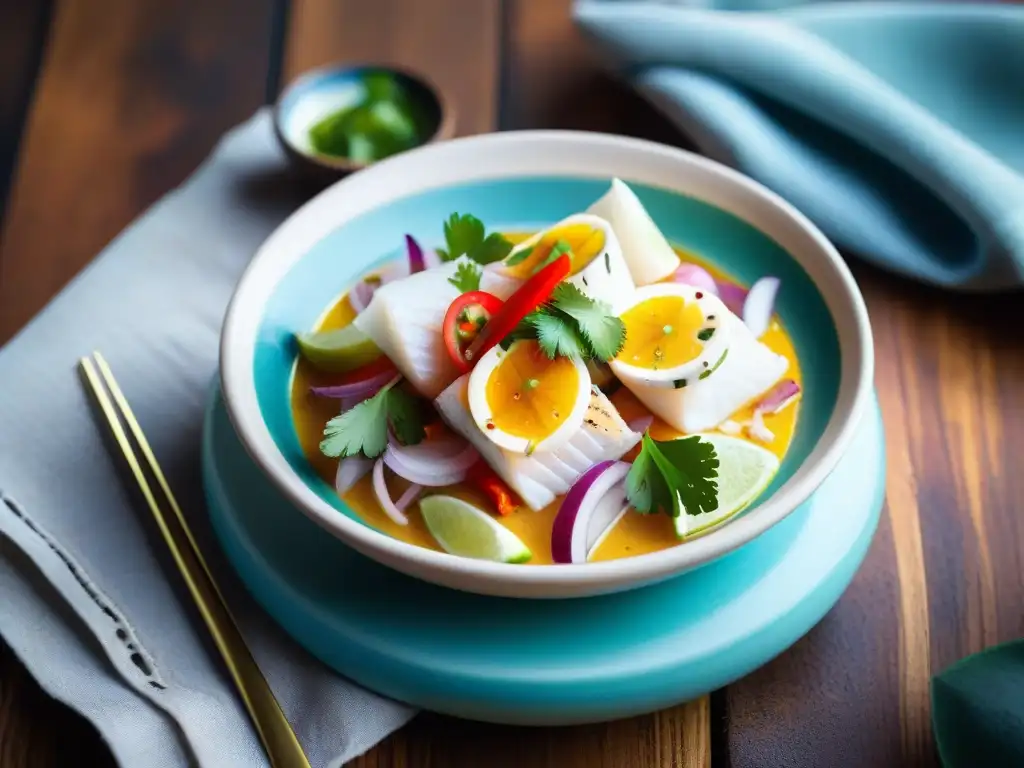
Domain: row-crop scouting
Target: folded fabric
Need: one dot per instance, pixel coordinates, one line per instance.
(91, 603)
(897, 128)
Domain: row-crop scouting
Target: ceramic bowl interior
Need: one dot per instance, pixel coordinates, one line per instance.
(514, 182)
(316, 94)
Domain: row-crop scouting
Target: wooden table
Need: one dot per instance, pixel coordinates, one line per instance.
(105, 105)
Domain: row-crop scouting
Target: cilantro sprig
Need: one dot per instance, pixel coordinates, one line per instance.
(571, 324)
(464, 234)
(467, 277)
(363, 429)
(674, 476)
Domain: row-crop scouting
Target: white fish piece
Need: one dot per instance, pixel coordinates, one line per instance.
(645, 249)
(404, 319)
(606, 277)
(539, 478)
(748, 371)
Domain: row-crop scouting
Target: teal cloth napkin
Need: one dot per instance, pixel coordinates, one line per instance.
(897, 128)
(978, 709)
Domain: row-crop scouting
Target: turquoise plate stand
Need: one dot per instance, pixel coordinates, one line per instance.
(543, 662)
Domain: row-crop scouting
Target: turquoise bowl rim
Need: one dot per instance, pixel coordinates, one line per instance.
(700, 205)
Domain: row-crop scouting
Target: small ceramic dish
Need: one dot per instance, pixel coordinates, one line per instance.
(318, 93)
(524, 181)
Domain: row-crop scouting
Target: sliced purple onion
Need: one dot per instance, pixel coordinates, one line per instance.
(360, 295)
(759, 305)
(779, 397)
(612, 508)
(732, 296)
(380, 489)
(757, 429)
(641, 423)
(432, 259)
(416, 261)
(357, 389)
(408, 497)
(570, 533)
(695, 275)
(433, 463)
(351, 470)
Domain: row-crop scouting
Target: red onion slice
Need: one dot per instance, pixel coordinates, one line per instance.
(408, 497)
(697, 276)
(360, 296)
(432, 464)
(609, 511)
(779, 396)
(351, 470)
(416, 261)
(570, 531)
(357, 389)
(759, 305)
(380, 489)
(757, 429)
(641, 423)
(732, 296)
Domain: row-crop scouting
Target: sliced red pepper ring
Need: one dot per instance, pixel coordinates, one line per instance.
(463, 321)
(527, 298)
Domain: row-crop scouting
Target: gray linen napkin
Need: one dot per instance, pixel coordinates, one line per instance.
(87, 599)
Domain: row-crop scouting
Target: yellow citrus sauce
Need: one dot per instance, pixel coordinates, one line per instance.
(635, 534)
(529, 395)
(661, 333)
(585, 243)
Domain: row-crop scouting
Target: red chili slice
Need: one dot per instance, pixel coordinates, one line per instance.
(527, 298)
(463, 321)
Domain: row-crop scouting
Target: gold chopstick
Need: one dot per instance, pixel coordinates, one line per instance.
(277, 735)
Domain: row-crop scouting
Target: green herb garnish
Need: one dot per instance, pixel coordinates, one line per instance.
(519, 258)
(363, 429)
(383, 122)
(674, 476)
(571, 324)
(560, 247)
(464, 234)
(466, 278)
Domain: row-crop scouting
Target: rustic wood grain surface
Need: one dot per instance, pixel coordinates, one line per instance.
(106, 105)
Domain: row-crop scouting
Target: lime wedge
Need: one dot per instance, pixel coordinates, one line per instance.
(462, 529)
(744, 471)
(338, 350)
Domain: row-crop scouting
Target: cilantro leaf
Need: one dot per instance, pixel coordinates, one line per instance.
(466, 277)
(520, 257)
(462, 233)
(493, 248)
(674, 476)
(524, 330)
(557, 337)
(363, 429)
(646, 488)
(560, 247)
(696, 467)
(405, 415)
(603, 332)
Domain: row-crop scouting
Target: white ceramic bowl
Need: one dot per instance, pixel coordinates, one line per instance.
(524, 169)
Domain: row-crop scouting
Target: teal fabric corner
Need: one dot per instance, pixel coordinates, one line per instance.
(898, 128)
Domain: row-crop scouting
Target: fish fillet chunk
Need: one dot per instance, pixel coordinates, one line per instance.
(404, 319)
